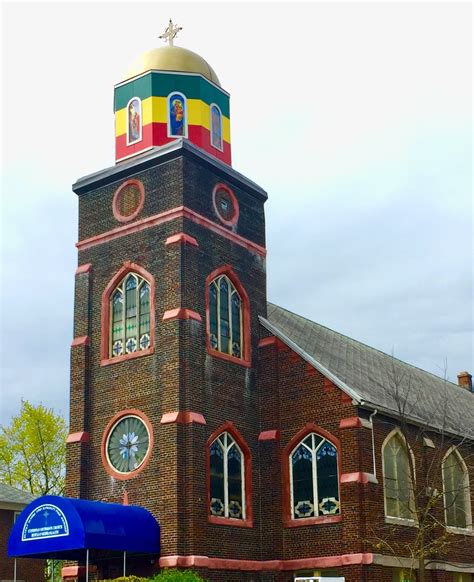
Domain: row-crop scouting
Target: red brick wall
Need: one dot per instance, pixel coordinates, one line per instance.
(278, 392)
(27, 570)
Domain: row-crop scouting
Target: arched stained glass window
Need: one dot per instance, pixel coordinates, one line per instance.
(227, 479)
(130, 316)
(134, 120)
(398, 487)
(314, 478)
(456, 492)
(216, 127)
(225, 317)
(177, 115)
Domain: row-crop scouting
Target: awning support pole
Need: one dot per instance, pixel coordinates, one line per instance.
(124, 564)
(14, 570)
(52, 570)
(87, 565)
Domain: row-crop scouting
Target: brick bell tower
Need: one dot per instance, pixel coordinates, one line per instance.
(171, 281)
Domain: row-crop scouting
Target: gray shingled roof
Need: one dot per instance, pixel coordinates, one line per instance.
(15, 496)
(374, 379)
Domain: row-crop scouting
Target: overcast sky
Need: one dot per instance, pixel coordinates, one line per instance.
(355, 117)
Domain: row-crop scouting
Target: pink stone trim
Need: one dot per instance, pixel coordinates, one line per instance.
(125, 357)
(267, 341)
(351, 422)
(136, 212)
(218, 229)
(78, 437)
(184, 417)
(84, 269)
(358, 477)
(74, 571)
(319, 520)
(235, 217)
(268, 565)
(269, 435)
(83, 340)
(181, 238)
(181, 313)
(179, 212)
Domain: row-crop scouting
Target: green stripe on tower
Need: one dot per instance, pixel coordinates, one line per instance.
(162, 84)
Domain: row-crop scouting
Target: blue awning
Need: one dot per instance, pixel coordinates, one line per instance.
(62, 528)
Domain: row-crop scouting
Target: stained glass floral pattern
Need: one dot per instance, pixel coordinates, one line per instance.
(130, 316)
(314, 478)
(227, 478)
(225, 317)
(127, 444)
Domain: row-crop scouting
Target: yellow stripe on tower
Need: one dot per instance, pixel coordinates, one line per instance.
(154, 111)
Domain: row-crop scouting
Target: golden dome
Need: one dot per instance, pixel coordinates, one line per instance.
(172, 58)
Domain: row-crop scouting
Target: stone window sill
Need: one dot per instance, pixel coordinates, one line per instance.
(401, 521)
(460, 530)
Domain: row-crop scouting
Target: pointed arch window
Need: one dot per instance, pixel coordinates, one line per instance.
(314, 478)
(456, 492)
(227, 478)
(216, 127)
(225, 317)
(134, 120)
(398, 485)
(130, 316)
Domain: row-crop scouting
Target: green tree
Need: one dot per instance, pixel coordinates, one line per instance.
(33, 450)
(177, 576)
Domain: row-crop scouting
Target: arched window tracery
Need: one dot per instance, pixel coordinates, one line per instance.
(227, 478)
(130, 316)
(314, 480)
(225, 317)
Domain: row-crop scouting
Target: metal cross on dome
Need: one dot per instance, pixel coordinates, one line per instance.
(170, 32)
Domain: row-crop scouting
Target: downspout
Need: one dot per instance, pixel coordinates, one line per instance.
(373, 442)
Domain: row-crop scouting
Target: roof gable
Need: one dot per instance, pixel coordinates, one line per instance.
(373, 378)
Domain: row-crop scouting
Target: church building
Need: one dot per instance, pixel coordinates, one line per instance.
(266, 446)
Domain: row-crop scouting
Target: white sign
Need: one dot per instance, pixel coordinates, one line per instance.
(45, 521)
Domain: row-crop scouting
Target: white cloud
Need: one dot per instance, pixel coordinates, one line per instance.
(354, 116)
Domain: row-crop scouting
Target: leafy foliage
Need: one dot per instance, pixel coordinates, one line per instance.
(177, 576)
(33, 450)
(165, 576)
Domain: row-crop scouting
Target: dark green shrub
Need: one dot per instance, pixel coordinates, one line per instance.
(127, 579)
(177, 576)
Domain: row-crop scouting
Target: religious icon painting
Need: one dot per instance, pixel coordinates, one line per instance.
(216, 127)
(177, 123)
(134, 128)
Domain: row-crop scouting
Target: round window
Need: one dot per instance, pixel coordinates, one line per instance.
(127, 444)
(128, 200)
(225, 204)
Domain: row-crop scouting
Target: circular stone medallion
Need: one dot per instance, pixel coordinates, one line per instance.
(128, 200)
(225, 204)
